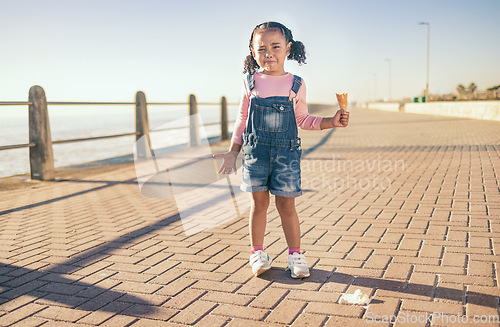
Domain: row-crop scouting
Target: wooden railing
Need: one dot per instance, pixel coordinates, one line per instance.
(40, 140)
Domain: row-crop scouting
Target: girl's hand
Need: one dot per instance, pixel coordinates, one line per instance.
(229, 162)
(341, 119)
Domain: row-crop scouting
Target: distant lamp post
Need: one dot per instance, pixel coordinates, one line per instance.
(427, 79)
(390, 86)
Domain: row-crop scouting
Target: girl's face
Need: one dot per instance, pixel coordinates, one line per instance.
(270, 50)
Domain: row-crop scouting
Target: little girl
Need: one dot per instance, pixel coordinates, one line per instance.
(273, 105)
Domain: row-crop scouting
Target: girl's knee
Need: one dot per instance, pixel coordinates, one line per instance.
(285, 204)
(260, 201)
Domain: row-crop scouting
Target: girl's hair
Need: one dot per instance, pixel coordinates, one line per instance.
(297, 50)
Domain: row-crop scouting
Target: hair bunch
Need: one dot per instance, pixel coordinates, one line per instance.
(297, 50)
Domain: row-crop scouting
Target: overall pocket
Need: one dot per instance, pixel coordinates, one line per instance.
(273, 118)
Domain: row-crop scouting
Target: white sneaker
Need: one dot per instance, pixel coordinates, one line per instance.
(260, 262)
(298, 265)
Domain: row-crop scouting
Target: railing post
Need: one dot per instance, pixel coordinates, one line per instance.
(194, 133)
(41, 155)
(224, 135)
(142, 125)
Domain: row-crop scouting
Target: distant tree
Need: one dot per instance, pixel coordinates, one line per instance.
(461, 89)
(472, 87)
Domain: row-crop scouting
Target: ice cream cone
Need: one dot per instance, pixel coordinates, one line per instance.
(342, 99)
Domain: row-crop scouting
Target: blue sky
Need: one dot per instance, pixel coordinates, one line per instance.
(107, 50)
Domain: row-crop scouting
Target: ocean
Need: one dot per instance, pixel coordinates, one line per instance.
(80, 121)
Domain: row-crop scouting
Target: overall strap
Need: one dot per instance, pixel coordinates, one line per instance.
(251, 82)
(297, 83)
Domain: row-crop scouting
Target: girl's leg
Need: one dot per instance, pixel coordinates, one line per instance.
(258, 217)
(289, 220)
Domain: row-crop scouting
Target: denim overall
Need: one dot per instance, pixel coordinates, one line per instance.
(271, 146)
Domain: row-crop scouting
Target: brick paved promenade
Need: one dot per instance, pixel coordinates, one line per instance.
(404, 207)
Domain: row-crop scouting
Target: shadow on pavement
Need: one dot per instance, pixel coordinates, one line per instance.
(280, 275)
(49, 287)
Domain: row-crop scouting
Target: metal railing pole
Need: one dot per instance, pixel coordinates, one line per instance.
(224, 134)
(41, 155)
(142, 126)
(194, 128)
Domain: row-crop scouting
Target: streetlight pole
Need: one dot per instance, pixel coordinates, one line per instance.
(427, 79)
(390, 89)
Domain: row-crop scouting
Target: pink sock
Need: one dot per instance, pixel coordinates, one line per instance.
(257, 248)
(292, 250)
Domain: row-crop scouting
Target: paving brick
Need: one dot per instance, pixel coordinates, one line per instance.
(469, 280)
(184, 298)
(101, 300)
(149, 311)
(416, 261)
(309, 319)
(454, 259)
(136, 287)
(160, 267)
(20, 313)
(338, 282)
(16, 303)
(382, 308)
(450, 293)
(215, 286)
(480, 268)
(207, 275)
(231, 310)
(118, 321)
(30, 322)
(375, 273)
(144, 322)
(23, 279)
(359, 254)
(96, 318)
(168, 276)
(68, 301)
(436, 306)
(377, 261)
(312, 296)
(334, 309)
(212, 321)
(238, 322)
(61, 288)
(23, 289)
(398, 271)
(285, 312)
(440, 269)
(231, 298)
(153, 299)
(269, 298)
(412, 318)
(193, 312)
(433, 251)
(410, 244)
(334, 321)
(63, 314)
(254, 286)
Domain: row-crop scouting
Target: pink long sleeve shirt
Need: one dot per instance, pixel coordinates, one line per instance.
(267, 86)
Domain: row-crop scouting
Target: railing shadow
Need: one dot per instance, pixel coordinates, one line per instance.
(69, 293)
